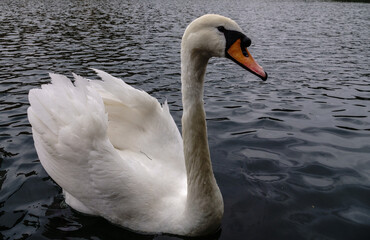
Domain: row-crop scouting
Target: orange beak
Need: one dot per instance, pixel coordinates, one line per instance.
(245, 59)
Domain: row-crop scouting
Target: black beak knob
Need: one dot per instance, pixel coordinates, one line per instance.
(245, 42)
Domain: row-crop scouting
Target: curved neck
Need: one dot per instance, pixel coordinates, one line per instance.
(204, 199)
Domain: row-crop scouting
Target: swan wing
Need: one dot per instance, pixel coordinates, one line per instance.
(138, 122)
(78, 139)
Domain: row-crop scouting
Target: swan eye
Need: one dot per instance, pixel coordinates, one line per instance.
(221, 29)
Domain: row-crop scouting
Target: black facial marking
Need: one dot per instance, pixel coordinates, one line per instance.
(231, 36)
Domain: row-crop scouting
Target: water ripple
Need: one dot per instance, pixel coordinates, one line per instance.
(291, 155)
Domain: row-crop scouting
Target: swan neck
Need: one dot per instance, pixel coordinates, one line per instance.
(204, 200)
(193, 68)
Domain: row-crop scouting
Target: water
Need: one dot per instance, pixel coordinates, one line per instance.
(291, 155)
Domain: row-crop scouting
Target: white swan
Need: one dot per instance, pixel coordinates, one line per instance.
(117, 153)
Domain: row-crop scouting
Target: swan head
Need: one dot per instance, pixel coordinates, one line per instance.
(216, 36)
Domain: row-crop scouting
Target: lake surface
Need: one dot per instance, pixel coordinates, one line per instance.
(291, 155)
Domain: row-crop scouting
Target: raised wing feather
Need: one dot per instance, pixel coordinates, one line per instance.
(138, 122)
(111, 147)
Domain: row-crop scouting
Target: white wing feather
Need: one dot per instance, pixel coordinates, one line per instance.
(138, 122)
(112, 148)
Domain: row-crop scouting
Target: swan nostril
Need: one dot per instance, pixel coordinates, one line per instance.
(245, 53)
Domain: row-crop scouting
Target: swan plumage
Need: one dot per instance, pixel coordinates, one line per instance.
(117, 152)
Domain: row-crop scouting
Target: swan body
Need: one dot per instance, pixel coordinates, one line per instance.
(116, 151)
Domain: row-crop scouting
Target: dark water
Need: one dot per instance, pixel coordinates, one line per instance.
(291, 155)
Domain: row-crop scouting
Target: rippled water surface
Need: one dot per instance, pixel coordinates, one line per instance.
(291, 155)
